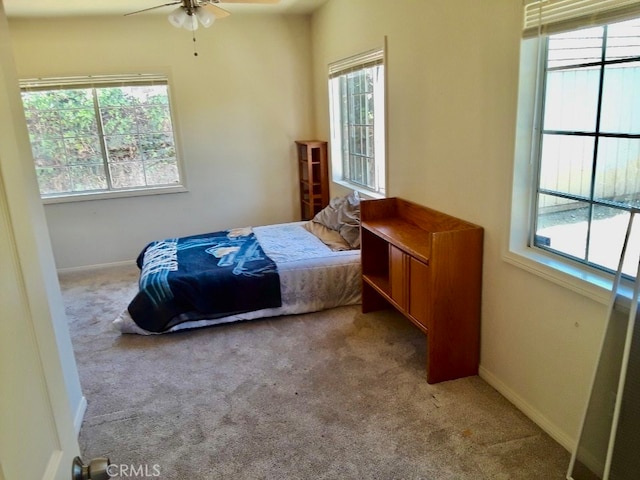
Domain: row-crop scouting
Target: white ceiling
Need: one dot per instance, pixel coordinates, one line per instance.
(58, 8)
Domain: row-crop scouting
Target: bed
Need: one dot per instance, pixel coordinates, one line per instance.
(316, 265)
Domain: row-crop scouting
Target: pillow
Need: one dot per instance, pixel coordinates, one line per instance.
(329, 215)
(351, 234)
(330, 238)
(343, 216)
(349, 218)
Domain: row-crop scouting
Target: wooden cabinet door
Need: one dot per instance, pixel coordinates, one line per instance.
(398, 276)
(419, 297)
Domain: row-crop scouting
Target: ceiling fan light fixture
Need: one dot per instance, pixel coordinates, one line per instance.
(191, 23)
(205, 17)
(178, 17)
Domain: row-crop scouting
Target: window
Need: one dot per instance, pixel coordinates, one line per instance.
(97, 135)
(589, 160)
(584, 134)
(357, 116)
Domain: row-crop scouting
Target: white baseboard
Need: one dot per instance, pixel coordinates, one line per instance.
(79, 416)
(94, 267)
(538, 418)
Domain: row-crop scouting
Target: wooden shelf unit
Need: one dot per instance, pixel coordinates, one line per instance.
(314, 177)
(427, 265)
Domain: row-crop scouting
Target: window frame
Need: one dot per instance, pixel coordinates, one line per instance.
(597, 133)
(106, 81)
(587, 281)
(338, 148)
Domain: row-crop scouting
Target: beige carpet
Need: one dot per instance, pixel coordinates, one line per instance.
(329, 395)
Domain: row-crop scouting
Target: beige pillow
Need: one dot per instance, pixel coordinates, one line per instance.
(343, 216)
(330, 238)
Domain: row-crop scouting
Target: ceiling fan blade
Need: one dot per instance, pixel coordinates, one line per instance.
(152, 8)
(215, 11)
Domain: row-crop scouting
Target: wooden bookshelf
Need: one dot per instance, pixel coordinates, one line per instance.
(314, 177)
(427, 265)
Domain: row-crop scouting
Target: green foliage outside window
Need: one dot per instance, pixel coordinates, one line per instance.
(95, 139)
(356, 99)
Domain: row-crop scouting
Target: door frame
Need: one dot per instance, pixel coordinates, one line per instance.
(36, 315)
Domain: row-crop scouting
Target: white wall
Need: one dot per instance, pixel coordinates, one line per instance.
(452, 100)
(240, 105)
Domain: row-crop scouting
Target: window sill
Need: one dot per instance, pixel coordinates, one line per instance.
(83, 197)
(583, 280)
(364, 191)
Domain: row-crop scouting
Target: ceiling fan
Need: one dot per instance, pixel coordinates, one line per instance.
(192, 12)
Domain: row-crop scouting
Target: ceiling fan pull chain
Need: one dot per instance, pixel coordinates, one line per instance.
(195, 52)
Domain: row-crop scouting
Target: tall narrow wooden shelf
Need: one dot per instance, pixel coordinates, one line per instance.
(314, 177)
(427, 265)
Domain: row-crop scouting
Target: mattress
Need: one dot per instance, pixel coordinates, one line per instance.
(312, 278)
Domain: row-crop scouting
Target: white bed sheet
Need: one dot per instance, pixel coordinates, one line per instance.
(312, 278)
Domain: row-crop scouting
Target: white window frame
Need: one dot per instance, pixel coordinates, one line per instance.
(339, 148)
(544, 18)
(97, 81)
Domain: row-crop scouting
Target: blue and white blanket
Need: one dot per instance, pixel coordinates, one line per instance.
(209, 275)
